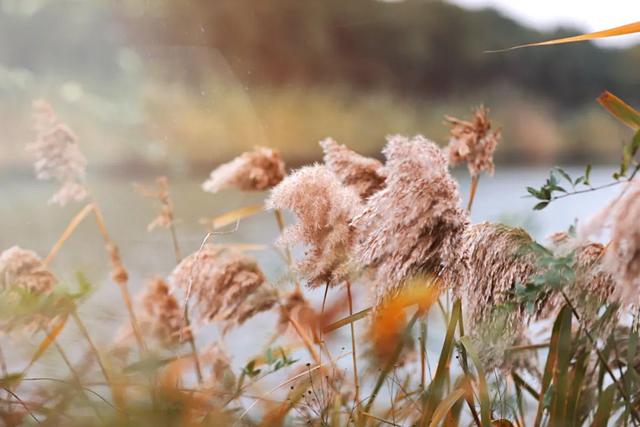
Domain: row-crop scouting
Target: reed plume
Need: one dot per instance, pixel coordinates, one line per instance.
(58, 156)
(324, 208)
(496, 259)
(622, 256)
(365, 175)
(228, 286)
(161, 315)
(473, 142)
(414, 224)
(24, 269)
(165, 217)
(256, 170)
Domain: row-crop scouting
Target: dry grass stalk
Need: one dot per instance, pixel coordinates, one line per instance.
(365, 175)
(324, 208)
(228, 286)
(473, 142)
(256, 170)
(414, 224)
(58, 156)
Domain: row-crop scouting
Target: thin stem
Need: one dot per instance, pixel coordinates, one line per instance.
(94, 349)
(287, 251)
(303, 336)
(194, 349)
(24, 405)
(74, 374)
(423, 352)
(353, 346)
(176, 245)
(472, 193)
(602, 359)
(389, 366)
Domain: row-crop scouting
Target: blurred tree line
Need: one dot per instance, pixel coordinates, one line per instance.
(416, 48)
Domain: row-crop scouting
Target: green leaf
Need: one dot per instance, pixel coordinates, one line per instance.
(564, 174)
(587, 174)
(540, 206)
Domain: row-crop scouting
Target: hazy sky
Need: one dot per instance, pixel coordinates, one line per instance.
(590, 15)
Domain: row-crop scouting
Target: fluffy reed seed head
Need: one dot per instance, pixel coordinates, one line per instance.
(364, 174)
(162, 315)
(622, 255)
(58, 156)
(228, 286)
(324, 208)
(256, 170)
(496, 259)
(24, 269)
(165, 217)
(414, 224)
(473, 142)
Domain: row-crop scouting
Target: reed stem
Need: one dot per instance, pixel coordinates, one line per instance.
(472, 192)
(85, 333)
(353, 347)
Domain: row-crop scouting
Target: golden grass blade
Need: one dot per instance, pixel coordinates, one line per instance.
(232, 217)
(48, 340)
(620, 109)
(611, 32)
(445, 406)
(347, 320)
(73, 224)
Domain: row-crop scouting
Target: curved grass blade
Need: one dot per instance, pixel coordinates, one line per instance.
(485, 402)
(445, 406)
(611, 32)
(552, 357)
(442, 371)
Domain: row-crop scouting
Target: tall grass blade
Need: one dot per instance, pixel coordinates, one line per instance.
(347, 320)
(549, 368)
(605, 404)
(445, 406)
(485, 402)
(436, 387)
(560, 377)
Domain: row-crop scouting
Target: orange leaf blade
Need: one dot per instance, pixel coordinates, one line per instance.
(611, 32)
(620, 110)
